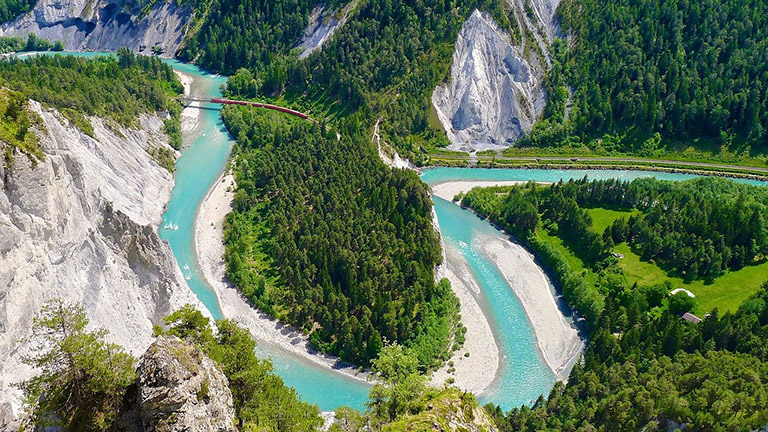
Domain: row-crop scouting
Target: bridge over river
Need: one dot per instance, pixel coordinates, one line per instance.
(187, 100)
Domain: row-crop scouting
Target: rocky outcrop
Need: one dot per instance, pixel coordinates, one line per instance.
(104, 25)
(181, 389)
(495, 91)
(323, 22)
(81, 225)
(450, 411)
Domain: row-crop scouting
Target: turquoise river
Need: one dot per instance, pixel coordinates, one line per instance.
(523, 374)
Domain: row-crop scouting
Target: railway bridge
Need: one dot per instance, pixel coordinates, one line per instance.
(222, 101)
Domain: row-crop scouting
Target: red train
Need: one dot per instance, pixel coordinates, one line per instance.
(260, 105)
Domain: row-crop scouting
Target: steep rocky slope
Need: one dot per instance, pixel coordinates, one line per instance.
(495, 91)
(103, 25)
(81, 225)
(323, 22)
(181, 389)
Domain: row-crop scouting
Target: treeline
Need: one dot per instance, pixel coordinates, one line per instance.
(32, 43)
(114, 88)
(326, 237)
(679, 68)
(387, 60)
(10, 9)
(87, 384)
(661, 373)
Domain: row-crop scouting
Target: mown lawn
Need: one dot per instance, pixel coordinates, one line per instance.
(726, 293)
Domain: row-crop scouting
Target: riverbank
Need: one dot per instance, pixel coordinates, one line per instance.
(449, 190)
(478, 362)
(663, 166)
(557, 339)
(190, 118)
(209, 246)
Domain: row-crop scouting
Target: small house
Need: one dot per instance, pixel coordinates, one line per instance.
(691, 318)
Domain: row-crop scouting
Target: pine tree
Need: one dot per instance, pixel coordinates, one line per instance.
(82, 378)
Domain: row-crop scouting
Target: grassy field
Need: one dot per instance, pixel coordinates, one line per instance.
(726, 292)
(574, 261)
(602, 218)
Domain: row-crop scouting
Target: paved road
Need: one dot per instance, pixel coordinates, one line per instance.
(609, 159)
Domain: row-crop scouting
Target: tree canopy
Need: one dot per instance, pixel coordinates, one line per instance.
(684, 69)
(325, 236)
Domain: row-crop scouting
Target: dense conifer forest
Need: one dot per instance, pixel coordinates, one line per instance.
(658, 373)
(326, 237)
(10, 9)
(246, 33)
(684, 69)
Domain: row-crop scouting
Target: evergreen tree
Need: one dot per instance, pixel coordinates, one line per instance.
(82, 377)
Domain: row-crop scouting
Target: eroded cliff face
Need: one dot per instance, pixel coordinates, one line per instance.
(495, 91)
(104, 25)
(82, 225)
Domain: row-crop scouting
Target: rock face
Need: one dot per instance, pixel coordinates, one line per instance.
(322, 24)
(495, 93)
(180, 389)
(103, 25)
(81, 225)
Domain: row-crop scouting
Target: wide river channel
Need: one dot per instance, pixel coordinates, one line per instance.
(523, 374)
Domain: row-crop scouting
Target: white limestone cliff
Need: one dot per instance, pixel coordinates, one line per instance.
(104, 25)
(495, 91)
(81, 225)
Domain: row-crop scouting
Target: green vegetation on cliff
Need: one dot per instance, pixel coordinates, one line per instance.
(326, 237)
(114, 88)
(82, 378)
(262, 401)
(10, 9)
(86, 384)
(17, 119)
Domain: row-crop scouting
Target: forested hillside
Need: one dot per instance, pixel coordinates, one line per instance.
(326, 237)
(10, 9)
(246, 33)
(683, 69)
(384, 62)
